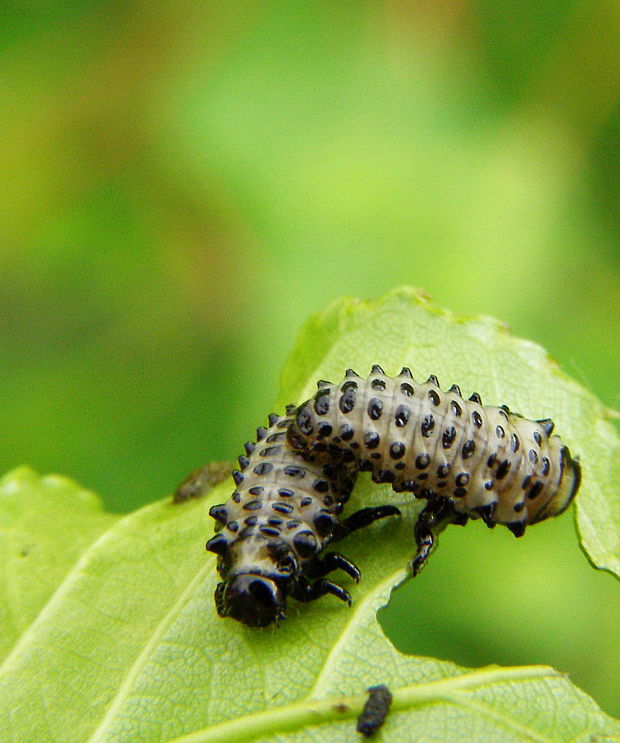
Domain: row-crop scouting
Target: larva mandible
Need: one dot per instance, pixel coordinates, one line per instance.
(465, 459)
(282, 514)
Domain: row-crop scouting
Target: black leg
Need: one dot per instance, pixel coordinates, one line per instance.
(304, 591)
(321, 566)
(434, 513)
(363, 517)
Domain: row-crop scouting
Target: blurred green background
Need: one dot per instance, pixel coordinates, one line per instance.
(184, 182)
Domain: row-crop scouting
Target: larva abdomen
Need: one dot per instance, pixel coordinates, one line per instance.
(487, 462)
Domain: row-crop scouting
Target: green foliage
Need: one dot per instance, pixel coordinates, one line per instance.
(129, 646)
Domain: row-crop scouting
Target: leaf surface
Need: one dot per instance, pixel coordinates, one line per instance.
(129, 647)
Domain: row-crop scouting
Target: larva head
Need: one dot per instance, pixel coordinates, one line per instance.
(255, 600)
(257, 574)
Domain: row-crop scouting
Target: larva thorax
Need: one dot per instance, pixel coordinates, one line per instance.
(486, 461)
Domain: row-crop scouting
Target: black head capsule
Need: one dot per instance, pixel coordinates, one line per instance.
(255, 600)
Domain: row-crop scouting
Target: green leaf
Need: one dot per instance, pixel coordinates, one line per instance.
(479, 354)
(45, 523)
(129, 647)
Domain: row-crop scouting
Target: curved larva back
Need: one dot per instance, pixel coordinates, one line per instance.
(488, 461)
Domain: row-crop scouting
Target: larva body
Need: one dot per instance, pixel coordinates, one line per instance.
(465, 459)
(282, 514)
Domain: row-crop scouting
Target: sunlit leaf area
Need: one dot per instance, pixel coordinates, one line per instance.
(184, 184)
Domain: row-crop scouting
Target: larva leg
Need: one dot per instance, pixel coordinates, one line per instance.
(305, 591)
(436, 511)
(321, 566)
(363, 517)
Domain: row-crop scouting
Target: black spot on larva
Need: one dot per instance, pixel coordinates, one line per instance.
(401, 415)
(434, 397)
(500, 432)
(545, 466)
(476, 419)
(406, 372)
(427, 425)
(400, 466)
(269, 531)
(385, 476)
(526, 482)
(372, 439)
(249, 447)
(263, 468)
(491, 460)
(303, 419)
(460, 492)
(375, 408)
(456, 408)
(423, 476)
(406, 389)
(350, 384)
(376, 455)
(236, 496)
(320, 485)
(547, 425)
(433, 380)
(324, 430)
(219, 513)
(297, 472)
(535, 490)
(488, 485)
(517, 528)
(475, 397)
(347, 401)
(376, 369)
(469, 447)
(448, 437)
(272, 438)
(514, 442)
(462, 479)
(280, 507)
(503, 469)
(347, 432)
(285, 492)
(422, 461)
(518, 507)
(305, 544)
(533, 456)
(537, 437)
(443, 470)
(397, 450)
(378, 384)
(233, 526)
(244, 461)
(324, 523)
(252, 505)
(306, 501)
(269, 451)
(237, 476)
(321, 402)
(455, 388)
(256, 490)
